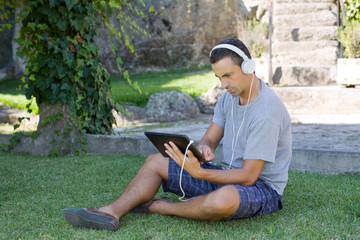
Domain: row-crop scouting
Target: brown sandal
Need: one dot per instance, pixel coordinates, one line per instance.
(90, 218)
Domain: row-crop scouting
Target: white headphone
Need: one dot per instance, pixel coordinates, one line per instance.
(247, 66)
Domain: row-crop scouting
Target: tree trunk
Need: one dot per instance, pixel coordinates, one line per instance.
(56, 133)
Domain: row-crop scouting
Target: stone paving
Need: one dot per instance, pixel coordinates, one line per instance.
(326, 132)
(326, 136)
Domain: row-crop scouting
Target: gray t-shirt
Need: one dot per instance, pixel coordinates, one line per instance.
(265, 134)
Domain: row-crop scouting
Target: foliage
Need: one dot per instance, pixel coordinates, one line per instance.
(352, 10)
(349, 35)
(62, 65)
(7, 7)
(57, 39)
(350, 39)
(257, 34)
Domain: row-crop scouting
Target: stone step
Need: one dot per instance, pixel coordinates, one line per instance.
(303, 1)
(320, 100)
(305, 33)
(321, 57)
(317, 19)
(280, 47)
(304, 75)
(300, 8)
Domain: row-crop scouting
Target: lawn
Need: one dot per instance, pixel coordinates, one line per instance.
(11, 93)
(193, 81)
(34, 190)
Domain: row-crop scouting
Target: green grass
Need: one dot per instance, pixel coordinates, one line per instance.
(191, 81)
(34, 190)
(11, 93)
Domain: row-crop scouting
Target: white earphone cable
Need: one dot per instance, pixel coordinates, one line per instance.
(181, 172)
(235, 138)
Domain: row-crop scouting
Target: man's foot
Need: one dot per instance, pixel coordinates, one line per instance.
(144, 207)
(90, 218)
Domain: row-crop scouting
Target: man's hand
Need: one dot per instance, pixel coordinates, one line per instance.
(247, 175)
(207, 152)
(192, 164)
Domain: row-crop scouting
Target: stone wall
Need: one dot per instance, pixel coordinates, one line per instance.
(305, 48)
(182, 33)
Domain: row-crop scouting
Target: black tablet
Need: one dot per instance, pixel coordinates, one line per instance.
(181, 141)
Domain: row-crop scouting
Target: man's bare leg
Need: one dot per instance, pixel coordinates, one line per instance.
(142, 187)
(216, 205)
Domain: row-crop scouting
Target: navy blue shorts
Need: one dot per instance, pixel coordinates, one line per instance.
(255, 200)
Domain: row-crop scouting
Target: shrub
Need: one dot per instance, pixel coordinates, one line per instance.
(349, 35)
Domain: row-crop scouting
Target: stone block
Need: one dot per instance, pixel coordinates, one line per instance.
(320, 57)
(303, 7)
(314, 33)
(285, 47)
(304, 75)
(312, 19)
(312, 100)
(304, 1)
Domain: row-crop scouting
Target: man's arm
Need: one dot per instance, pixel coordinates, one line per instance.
(247, 175)
(210, 141)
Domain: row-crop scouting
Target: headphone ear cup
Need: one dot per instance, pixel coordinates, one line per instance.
(248, 67)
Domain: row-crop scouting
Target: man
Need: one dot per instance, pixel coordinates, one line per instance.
(256, 131)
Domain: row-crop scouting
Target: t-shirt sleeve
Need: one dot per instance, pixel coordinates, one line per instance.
(219, 113)
(262, 140)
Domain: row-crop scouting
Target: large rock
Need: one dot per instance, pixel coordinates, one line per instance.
(171, 106)
(11, 116)
(208, 100)
(129, 114)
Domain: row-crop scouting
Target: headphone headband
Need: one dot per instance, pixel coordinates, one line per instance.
(232, 48)
(248, 65)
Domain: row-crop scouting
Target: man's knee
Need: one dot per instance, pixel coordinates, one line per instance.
(224, 201)
(155, 159)
(157, 162)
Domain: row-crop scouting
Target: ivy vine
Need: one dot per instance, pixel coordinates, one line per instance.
(63, 66)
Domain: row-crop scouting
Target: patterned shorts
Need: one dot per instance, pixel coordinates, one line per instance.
(255, 200)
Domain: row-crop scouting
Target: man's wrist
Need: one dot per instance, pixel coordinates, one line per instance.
(201, 174)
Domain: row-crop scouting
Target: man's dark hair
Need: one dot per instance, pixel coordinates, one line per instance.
(221, 53)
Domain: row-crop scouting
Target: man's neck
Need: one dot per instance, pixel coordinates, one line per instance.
(255, 91)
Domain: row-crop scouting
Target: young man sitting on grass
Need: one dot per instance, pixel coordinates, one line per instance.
(256, 131)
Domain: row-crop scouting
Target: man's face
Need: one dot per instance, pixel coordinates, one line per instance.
(231, 76)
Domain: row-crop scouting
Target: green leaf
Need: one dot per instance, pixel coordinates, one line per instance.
(126, 75)
(62, 25)
(70, 3)
(152, 9)
(53, 3)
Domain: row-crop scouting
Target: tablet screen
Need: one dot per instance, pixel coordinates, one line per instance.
(181, 141)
